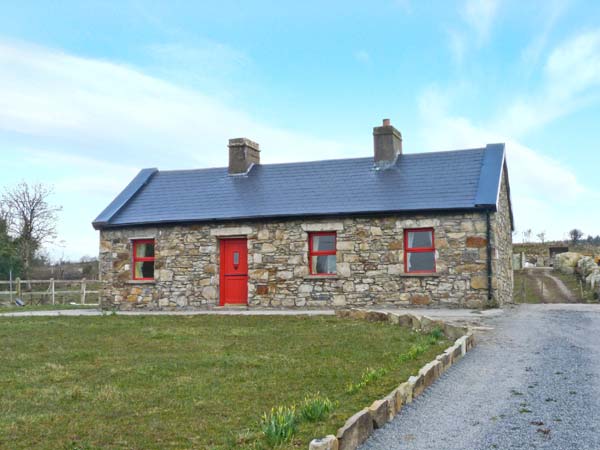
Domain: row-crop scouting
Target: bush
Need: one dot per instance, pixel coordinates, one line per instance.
(315, 408)
(279, 425)
(367, 377)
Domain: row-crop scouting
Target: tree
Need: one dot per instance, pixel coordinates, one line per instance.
(575, 235)
(9, 252)
(32, 219)
(542, 236)
(527, 235)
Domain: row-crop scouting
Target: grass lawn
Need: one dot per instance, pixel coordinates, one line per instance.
(11, 308)
(188, 382)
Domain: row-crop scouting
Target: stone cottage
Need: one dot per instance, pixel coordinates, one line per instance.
(392, 229)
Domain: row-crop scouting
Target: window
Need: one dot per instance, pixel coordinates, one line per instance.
(419, 251)
(321, 249)
(143, 259)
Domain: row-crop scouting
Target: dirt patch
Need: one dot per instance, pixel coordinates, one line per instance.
(547, 287)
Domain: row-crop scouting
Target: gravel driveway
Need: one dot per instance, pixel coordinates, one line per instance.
(533, 382)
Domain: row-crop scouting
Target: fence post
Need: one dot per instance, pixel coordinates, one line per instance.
(581, 288)
(18, 281)
(52, 289)
(83, 291)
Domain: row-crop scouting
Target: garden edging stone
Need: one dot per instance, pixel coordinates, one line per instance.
(360, 426)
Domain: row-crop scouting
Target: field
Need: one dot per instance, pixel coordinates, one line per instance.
(189, 382)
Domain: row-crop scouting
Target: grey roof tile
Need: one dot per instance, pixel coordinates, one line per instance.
(424, 181)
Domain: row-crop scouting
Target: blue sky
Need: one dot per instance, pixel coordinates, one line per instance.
(90, 92)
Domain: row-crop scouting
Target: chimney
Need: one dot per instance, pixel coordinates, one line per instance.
(387, 142)
(243, 154)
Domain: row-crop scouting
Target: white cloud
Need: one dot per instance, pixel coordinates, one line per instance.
(552, 12)
(543, 189)
(362, 56)
(56, 107)
(571, 78)
(103, 106)
(480, 15)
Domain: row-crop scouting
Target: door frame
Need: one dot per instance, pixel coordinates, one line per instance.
(221, 272)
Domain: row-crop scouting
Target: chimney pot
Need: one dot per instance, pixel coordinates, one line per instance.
(243, 154)
(387, 143)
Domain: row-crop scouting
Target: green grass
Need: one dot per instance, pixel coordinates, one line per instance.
(188, 382)
(525, 290)
(7, 309)
(572, 282)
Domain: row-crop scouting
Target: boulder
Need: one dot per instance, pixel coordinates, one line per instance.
(356, 430)
(586, 266)
(593, 279)
(566, 262)
(380, 412)
(327, 443)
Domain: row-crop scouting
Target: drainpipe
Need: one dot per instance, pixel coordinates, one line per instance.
(489, 255)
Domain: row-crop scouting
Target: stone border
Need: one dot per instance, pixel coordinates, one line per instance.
(360, 426)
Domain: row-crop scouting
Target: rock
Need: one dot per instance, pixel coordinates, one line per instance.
(479, 282)
(586, 266)
(380, 412)
(394, 319)
(209, 293)
(417, 384)
(566, 262)
(405, 320)
(476, 242)
(453, 332)
(327, 443)
(405, 393)
(428, 324)
(356, 430)
(430, 373)
(593, 279)
(376, 316)
(339, 300)
(420, 299)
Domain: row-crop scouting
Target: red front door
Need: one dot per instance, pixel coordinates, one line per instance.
(234, 271)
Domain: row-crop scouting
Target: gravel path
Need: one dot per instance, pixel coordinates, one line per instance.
(532, 383)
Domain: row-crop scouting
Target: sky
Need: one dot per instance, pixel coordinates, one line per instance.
(91, 92)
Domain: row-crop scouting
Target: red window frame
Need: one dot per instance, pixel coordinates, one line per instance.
(312, 253)
(408, 250)
(137, 258)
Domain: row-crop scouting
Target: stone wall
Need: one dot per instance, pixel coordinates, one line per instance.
(370, 264)
(502, 261)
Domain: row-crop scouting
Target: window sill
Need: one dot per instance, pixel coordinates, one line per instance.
(141, 282)
(420, 275)
(321, 277)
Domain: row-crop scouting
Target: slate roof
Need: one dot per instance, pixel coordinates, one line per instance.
(441, 181)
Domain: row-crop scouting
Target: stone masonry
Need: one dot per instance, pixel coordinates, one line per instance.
(370, 263)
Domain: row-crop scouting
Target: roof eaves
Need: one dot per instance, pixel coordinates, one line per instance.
(121, 200)
(288, 216)
(488, 189)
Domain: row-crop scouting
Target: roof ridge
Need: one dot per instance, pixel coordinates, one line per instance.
(358, 158)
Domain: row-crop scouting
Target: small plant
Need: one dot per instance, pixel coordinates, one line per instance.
(314, 408)
(437, 333)
(367, 377)
(279, 425)
(413, 353)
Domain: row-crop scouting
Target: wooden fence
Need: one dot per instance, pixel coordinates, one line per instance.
(38, 294)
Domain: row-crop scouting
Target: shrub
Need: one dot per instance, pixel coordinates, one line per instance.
(279, 425)
(367, 377)
(315, 408)
(435, 335)
(413, 353)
